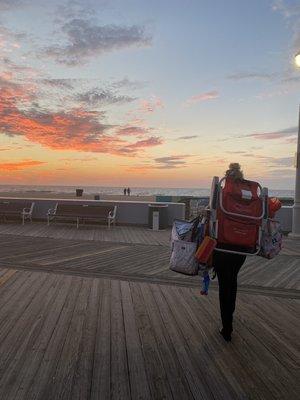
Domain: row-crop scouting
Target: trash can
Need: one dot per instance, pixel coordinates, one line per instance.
(79, 192)
(97, 197)
(158, 216)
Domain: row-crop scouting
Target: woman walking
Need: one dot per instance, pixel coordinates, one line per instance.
(227, 266)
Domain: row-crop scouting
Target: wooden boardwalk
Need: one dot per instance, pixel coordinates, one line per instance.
(95, 233)
(83, 319)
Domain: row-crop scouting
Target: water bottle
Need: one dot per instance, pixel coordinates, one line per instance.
(205, 284)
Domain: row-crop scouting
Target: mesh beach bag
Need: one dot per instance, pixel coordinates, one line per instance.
(184, 243)
(271, 239)
(183, 258)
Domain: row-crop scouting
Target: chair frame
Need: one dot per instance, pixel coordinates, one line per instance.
(217, 200)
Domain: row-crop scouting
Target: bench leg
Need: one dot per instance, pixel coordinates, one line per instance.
(48, 220)
(77, 223)
(108, 223)
(23, 219)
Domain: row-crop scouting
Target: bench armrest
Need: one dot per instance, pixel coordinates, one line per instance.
(112, 214)
(52, 211)
(28, 210)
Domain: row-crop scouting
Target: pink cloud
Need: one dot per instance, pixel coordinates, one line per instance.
(150, 106)
(202, 97)
(283, 133)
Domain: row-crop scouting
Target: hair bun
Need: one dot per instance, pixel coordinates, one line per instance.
(234, 171)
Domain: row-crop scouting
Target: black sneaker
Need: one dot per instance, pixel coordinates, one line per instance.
(226, 336)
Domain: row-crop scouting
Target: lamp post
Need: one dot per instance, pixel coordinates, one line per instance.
(296, 209)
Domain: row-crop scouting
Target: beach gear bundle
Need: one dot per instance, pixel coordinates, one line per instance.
(191, 250)
(240, 220)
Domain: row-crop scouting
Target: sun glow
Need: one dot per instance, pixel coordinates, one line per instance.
(297, 60)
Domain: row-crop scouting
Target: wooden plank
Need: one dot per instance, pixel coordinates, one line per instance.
(156, 374)
(197, 385)
(176, 377)
(82, 378)
(5, 277)
(64, 375)
(31, 354)
(24, 328)
(101, 378)
(136, 365)
(120, 388)
(44, 382)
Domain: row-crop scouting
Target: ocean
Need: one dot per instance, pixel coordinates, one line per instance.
(137, 191)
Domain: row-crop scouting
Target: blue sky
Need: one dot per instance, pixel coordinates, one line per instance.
(161, 93)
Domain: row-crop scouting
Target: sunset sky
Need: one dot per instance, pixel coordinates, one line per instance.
(148, 93)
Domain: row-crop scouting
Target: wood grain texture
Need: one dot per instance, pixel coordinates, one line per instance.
(89, 319)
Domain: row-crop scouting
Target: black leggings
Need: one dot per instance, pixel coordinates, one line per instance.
(227, 267)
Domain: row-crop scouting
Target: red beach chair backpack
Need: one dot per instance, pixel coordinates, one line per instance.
(238, 215)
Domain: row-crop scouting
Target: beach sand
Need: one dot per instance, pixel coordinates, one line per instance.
(51, 195)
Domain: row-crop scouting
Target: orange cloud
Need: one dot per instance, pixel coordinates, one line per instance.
(16, 166)
(76, 129)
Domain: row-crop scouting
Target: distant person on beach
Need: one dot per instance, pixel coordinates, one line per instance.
(227, 266)
(125, 192)
(128, 191)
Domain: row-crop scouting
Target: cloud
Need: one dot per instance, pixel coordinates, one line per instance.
(137, 131)
(18, 71)
(171, 162)
(74, 129)
(102, 97)
(288, 10)
(20, 165)
(292, 140)
(59, 83)
(85, 159)
(133, 148)
(283, 133)
(150, 106)
(282, 173)
(291, 12)
(198, 98)
(85, 40)
(6, 5)
(271, 161)
(9, 40)
(11, 148)
(237, 152)
(283, 161)
(168, 162)
(187, 137)
(74, 9)
(127, 83)
(250, 75)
